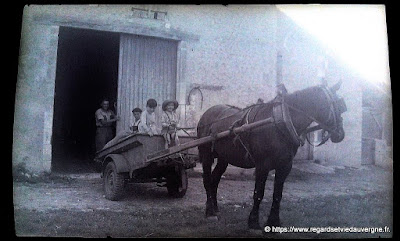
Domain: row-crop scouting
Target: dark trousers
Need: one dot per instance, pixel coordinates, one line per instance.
(103, 135)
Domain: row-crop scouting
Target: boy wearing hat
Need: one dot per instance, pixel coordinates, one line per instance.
(147, 123)
(169, 121)
(134, 126)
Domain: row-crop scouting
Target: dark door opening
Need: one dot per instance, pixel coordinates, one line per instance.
(87, 72)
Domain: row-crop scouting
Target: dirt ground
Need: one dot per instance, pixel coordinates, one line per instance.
(74, 205)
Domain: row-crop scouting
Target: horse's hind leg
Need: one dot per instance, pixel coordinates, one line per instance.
(216, 174)
(206, 159)
(280, 176)
(261, 178)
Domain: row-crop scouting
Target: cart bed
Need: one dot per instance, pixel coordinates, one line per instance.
(136, 147)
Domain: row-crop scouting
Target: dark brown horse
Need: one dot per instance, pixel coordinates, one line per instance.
(267, 147)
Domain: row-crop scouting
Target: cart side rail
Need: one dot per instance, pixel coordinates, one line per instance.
(120, 162)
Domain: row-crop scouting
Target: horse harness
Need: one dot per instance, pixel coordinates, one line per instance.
(283, 120)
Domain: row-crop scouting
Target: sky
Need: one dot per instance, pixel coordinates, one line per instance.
(357, 34)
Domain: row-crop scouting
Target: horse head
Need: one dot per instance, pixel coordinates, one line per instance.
(334, 123)
(322, 105)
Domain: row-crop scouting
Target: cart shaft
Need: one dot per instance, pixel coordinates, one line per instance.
(175, 149)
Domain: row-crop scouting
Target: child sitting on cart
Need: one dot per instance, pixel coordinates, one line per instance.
(134, 126)
(147, 123)
(169, 122)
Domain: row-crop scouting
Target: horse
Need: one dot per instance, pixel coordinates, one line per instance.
(267, 147)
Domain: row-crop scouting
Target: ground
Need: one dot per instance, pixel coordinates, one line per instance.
(74, 205)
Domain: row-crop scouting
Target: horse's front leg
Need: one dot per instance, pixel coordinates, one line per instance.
(280, 176)
(207, 160)
(261, 178)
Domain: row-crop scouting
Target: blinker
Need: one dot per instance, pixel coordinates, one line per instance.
(341, 105)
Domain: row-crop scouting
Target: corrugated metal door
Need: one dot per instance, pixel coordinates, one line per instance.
(147, 69)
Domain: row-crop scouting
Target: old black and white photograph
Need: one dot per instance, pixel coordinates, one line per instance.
(167, 120)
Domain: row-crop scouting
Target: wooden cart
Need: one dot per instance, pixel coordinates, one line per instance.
(141, 158)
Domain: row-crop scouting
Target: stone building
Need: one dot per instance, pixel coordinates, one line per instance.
(73, 56)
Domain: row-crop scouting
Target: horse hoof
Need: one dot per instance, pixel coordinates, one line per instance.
(212, 218)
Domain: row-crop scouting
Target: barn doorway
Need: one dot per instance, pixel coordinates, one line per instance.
(87, 72)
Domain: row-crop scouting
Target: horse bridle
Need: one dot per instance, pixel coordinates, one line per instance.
(337, 106)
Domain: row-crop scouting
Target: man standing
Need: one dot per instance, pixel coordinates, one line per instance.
(104, 123)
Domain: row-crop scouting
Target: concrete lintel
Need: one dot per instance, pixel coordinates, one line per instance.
(131, 28)
(207, 87)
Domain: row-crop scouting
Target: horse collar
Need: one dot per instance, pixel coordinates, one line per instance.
(283, 120)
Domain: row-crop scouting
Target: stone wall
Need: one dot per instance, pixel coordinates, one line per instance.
(35, 96)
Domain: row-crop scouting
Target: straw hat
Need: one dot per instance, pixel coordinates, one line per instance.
(167, 102)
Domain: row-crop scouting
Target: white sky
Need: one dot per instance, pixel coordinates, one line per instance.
(355, 33)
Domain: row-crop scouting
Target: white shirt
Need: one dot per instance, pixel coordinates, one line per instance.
(134, 123)
(147, 123)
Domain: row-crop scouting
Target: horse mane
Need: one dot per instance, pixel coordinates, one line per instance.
(267, 106)
(303, 91)
(308, 95)
(303, 94)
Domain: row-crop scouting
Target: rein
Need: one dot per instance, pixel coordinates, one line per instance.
(320, 125)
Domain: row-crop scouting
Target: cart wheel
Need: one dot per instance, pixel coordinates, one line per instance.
(113, 182)
(177, 182)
